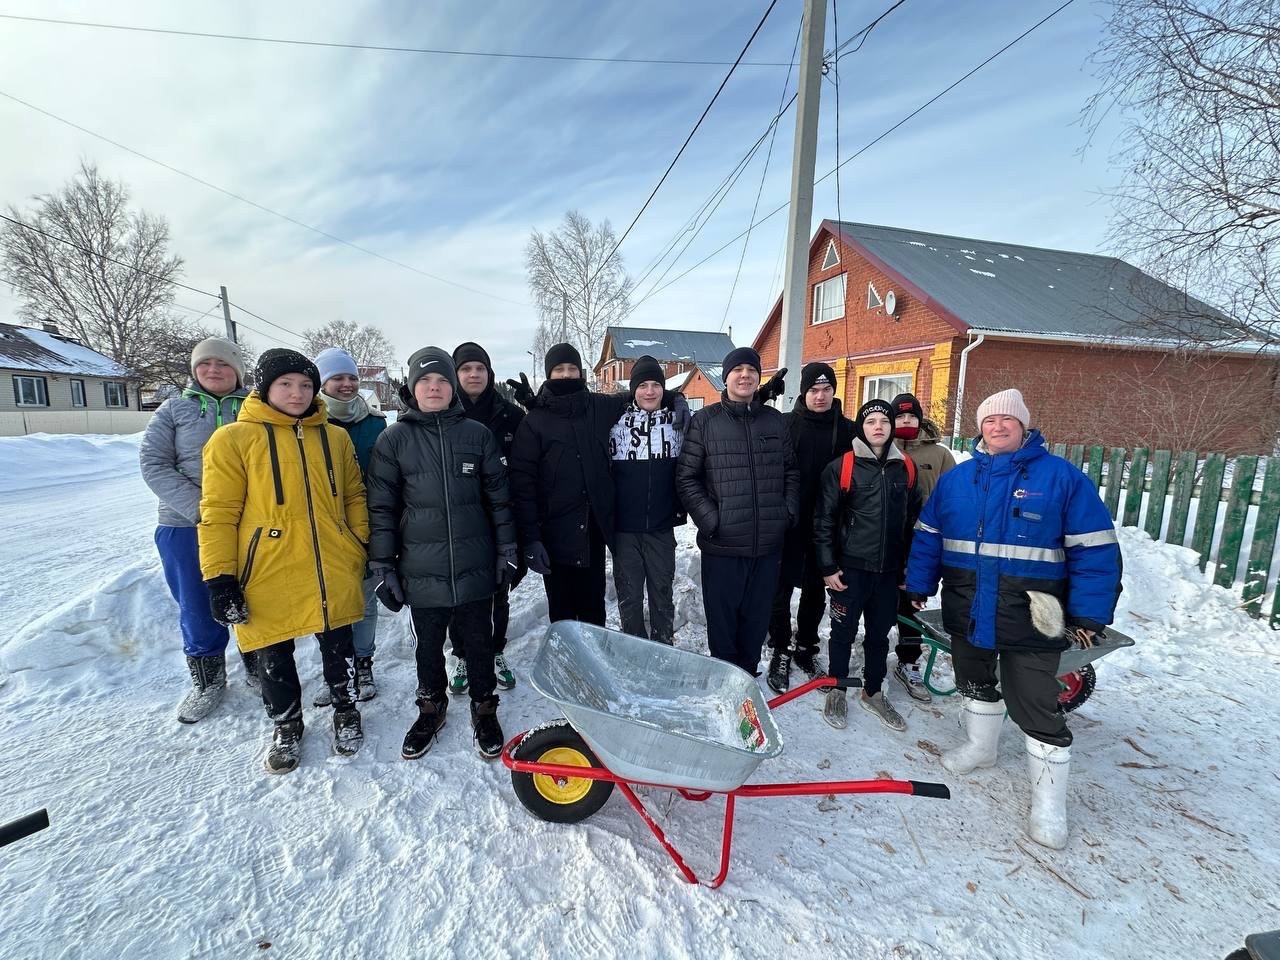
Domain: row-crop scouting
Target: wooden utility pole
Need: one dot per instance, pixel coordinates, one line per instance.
(226, 315)
(800, 216)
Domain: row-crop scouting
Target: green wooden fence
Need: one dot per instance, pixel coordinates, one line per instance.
(1171, 482)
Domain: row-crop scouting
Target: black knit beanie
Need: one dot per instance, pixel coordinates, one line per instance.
(472, 353)
(906, 403)
(737, 357)
(431, 360)
(872, 406)
(276, 362)
(646, 368)
(562, 353)
(814, 374)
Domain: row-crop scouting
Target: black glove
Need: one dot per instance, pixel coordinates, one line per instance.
(521, 569)
(535, 555)
(508, 564)
(522, 392)
(226, 600)
(389, 591)
(774, 388)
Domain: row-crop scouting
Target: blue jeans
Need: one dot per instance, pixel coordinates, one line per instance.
(363, 631)
(202, 636)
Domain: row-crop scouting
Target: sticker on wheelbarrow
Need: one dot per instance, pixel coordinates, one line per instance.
(749, 726)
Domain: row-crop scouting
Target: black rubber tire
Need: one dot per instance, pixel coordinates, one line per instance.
(1068, 700)
(533, 748)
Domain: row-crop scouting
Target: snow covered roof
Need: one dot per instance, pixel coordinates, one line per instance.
(374, 374)
(26, 348)
(632, 343)
(713, 376)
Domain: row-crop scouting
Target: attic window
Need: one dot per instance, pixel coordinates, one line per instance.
(873, 298)
(832, 258)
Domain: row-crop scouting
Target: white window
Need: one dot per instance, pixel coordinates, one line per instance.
(695, 403)
(873, 297)
(828, 299)
(832, 258)
(885, 388)
(30, 392)
(77, 394)
(115, 393)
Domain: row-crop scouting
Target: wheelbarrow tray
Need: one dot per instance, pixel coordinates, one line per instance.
(656, 714)
(1072, 659)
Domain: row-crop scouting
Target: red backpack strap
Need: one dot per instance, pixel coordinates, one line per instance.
(911, 471)
(846, 471)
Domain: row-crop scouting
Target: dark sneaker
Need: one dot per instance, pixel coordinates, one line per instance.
(805, 660)
(780, 672)
(323, 699)
(286, 747)
(506, 679)
(208, 684)
(485, 727)
(425, 730)
(366, 688)
(458, 681)
(347, 735)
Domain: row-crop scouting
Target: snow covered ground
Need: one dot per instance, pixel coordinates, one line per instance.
(169, 841)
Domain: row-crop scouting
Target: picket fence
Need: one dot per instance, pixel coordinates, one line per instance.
(1175, 484)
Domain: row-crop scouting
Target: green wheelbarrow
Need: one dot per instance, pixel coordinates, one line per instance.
(1076, 675)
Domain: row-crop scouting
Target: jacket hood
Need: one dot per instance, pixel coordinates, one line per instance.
(257, 410)
(861, 449)
(1031, 448)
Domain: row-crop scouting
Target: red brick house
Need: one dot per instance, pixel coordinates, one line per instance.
(701, 386)
(946, 317)
(678, 351)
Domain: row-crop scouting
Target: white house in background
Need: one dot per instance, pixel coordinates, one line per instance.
(371, 397)
(41, 370)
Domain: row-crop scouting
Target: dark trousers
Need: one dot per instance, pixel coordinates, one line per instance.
(873, 598)
(908, 648)
(1028, 683)
(202, 636)
(500, 619)
(737, 593)
(640, 560)
(577, 593)
(281, 689)
(813, 604)
(470, 623)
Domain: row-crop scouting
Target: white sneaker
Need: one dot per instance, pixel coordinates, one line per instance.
(908, 674)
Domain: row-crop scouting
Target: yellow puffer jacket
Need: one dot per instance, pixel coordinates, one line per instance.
(283, 509)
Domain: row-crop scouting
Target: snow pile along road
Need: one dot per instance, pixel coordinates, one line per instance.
(169, 841)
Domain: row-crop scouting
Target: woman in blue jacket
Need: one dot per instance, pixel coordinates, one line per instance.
(1027, 553)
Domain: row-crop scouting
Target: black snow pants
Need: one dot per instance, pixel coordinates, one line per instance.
(470, 623)
(577, 593)
(737, 594)
(1028, 683)
(643, 560)
(281, 689)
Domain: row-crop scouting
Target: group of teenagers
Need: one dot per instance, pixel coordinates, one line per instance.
(294, 509)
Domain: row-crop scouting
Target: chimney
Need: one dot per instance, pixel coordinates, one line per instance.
(51, 328)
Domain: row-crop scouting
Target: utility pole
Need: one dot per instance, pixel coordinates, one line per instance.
(226, 315)
(800, 216)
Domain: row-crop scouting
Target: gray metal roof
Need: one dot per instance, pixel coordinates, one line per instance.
(713, 376)
(631, 343)
(1012, 288)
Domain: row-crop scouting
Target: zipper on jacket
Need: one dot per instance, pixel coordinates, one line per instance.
(248, 560)
(315, 534)
(755, 496)
(448, 514)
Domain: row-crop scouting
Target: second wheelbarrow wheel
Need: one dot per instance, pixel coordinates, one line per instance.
(558, 799)
(1076, 688)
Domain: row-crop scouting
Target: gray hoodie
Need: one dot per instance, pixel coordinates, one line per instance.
(172, 453)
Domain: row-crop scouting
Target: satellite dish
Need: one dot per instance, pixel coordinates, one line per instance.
(891, 303)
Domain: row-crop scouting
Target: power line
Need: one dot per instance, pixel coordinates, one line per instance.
(774, 212)
(253, 203)
(300, 337)
(384, 48)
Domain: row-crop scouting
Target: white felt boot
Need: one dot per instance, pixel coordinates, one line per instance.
(982, 723)
(1048, 768)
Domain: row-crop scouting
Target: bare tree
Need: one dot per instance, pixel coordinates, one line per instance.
(1199, 202)
(81, 259)
(570, 278)
(368, 345)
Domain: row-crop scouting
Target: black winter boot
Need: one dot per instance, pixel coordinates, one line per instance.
(347, 734)
(365, 687)
(485, 727)
(286, 747)
(780, 671)
(208, 684)
(431, 712)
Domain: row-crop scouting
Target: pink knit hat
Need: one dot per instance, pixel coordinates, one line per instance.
(1006, 402)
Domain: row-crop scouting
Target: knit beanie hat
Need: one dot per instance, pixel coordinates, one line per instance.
(472, 353)
(737, 357)
(219, 348)
(332, 361)
(646, 368)
(276, 362)
(816, 374)
(906, 403)
(1008, 403)
(872, 406)
(431, 360)
(562, 353)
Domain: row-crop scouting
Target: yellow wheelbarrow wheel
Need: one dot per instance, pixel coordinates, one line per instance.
(558, 799)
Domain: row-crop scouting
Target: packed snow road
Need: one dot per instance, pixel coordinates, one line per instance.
(170, 841)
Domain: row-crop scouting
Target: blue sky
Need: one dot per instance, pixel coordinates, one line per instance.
(447, 163)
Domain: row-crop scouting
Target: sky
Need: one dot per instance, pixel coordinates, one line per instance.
(446, 163)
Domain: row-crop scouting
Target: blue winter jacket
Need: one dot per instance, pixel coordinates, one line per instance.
(998, 526)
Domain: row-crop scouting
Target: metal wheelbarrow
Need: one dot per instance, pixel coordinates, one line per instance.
(642, 713)
(1076, 676)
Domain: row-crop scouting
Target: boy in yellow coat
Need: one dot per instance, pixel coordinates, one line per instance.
(283, 534)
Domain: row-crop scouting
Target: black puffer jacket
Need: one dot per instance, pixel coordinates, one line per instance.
(737, 477)
(501, 416)
(439, 509)
(817, 439)
(869, 527)
(560, 475)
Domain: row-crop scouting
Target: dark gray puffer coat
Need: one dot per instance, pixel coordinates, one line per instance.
(737, 478)
(439, 509)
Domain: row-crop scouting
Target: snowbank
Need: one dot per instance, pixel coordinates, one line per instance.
(46, 459)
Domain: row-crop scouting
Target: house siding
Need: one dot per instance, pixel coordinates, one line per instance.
(59, 390)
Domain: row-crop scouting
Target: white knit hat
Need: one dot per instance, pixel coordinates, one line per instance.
(219, 348)
(1007, 403)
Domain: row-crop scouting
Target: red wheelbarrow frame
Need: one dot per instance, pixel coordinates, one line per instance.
(914, 788)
